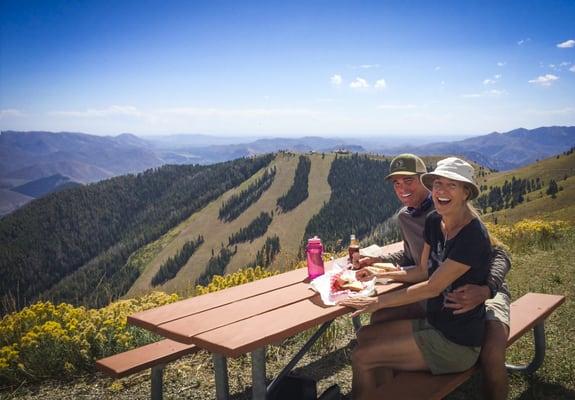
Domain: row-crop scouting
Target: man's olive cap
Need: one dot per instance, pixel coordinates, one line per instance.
(406, 164)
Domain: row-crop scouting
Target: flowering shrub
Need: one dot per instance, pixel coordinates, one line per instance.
(240, 277)
(529, 233)
(46, 340)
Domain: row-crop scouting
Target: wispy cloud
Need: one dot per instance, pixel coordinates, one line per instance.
(11, 112)
(572, 69)
(100, 113)
(501, 64)
(493, 80)
(380, 84)
(556, 111)
(486, 93)
(437, 68)
(233, 112)
(396, 106)
(544, 80)
(365, 66)
(523, 41)
(336, 80)
(359, 83)
(566, 44)
(559, 67)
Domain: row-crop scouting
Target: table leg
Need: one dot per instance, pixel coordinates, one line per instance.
(259, 374)
(221, 374)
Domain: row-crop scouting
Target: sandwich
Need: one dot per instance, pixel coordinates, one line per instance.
(382, 267)
(346, 281)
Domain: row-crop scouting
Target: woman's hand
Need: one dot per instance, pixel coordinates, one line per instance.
(362, 304)
(364, 274)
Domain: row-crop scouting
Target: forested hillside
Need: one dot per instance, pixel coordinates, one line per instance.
(91, 231)
(360, 200)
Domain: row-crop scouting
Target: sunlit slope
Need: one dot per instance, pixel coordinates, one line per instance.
(290, 226)
(538, 204)
(215, 232)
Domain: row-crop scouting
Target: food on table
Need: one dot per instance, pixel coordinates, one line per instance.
(382, 267)
(346, 280)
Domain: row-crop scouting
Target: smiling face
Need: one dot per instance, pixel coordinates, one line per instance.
(449, 195)
(409, 190)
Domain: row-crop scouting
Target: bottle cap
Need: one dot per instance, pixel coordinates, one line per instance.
(314, 240)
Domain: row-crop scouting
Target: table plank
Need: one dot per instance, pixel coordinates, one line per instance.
(273, 326)
(184, 329)
(150, 319)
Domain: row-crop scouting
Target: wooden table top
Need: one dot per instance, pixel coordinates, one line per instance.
(243, 318)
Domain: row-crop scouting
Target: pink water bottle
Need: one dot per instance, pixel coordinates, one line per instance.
(314, 252)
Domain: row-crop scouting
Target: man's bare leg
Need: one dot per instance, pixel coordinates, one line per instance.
(495, 380)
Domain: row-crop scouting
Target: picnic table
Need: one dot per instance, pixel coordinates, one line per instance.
(246, 318)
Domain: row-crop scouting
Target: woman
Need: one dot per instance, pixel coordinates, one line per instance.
(456, 252)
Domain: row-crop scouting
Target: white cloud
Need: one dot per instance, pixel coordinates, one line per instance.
(365, 66)
(11, 112)
(495, 92)
(544, 80)
(231, 112)
(437, 68)
(565, 64)
(359, 83)
(396, 107)
(523, 41)
(471, 95)
(101, 113)
(486, 93)
(572, 69)
(380, 84)
(490, 81)
(336, 80)
(501, 64)
(559, 111)
(567, 44)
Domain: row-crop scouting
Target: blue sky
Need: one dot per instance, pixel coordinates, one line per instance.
(286, 68)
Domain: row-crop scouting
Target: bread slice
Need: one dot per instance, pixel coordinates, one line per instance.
(355, 286)
(385, 267)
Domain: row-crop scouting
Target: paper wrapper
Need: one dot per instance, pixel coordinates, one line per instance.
(322, 285)
(372, 251)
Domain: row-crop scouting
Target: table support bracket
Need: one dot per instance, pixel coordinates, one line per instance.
(259, 374)
(538, 357)
(221, 373)
(299, 355)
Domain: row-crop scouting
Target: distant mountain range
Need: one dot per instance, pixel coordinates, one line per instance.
(26, 157)
(505, 151)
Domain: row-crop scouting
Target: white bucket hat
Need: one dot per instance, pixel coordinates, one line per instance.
(455, 169)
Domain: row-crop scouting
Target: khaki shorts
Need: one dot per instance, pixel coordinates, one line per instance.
(497, 308)
(441, 355)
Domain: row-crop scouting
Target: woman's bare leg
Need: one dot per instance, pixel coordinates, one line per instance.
(392, 346)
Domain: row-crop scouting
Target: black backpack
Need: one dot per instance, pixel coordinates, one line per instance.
(293, 387)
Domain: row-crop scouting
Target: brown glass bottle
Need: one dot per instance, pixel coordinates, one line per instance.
(353, 247)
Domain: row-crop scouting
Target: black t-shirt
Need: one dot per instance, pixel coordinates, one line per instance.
(471, 246)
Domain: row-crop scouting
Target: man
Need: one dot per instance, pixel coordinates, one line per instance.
(405, 171)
